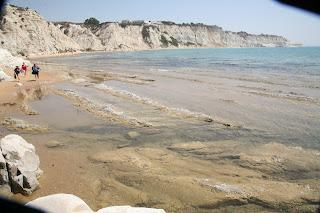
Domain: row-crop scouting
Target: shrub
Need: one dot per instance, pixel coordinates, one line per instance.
(190, 43)
(125, 23)
(168, 23)
(21, 53)
(66, 31)
(146, 34)
(164, 41)
(91, 23)
(174, 42)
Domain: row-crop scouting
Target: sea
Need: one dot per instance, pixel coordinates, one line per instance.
(237, 127)
(259, 95)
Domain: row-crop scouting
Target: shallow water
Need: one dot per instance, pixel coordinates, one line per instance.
(271, 93)
(147, 128)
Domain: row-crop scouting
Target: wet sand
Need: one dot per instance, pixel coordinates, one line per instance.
(129, 153)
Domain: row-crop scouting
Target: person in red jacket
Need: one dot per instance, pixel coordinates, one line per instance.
(24, 68)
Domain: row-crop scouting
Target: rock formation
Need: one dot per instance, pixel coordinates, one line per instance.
(83, 36)
(4, 76)
(18, 124)
(19, 165)
(24, 32)
(67, 203)
(131, 36)
(7, 60)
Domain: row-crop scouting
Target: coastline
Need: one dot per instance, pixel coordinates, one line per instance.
(175, 117)
(107, 162)
(35, 56)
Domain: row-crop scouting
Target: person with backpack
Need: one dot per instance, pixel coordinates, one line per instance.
(35, 71)
(16, 73)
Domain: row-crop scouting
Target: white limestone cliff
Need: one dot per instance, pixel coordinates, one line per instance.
(81, 35)
(23, 31)
(8, 60)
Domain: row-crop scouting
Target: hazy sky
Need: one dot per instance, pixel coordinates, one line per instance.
(253, 16)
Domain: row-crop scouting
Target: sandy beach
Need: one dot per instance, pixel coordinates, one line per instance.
(208, 164)
(171, 108)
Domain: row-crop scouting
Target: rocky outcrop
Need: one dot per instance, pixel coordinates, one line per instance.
(19, 165)
(23, 31)
(18, 124)
(131, 36)
(67, 203)
(4, 76)
(81, 35)
(7, 60)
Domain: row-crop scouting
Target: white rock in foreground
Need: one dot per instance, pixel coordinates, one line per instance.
(22, 164)
(67, 203)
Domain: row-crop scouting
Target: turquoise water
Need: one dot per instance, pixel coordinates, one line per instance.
(302, 60)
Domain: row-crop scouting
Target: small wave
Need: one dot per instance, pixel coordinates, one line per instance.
(180, 112)
(289, 96)
(107, 111)
(163, 70)
(79, 80)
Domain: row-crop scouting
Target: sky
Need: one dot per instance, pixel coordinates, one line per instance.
(252, 16)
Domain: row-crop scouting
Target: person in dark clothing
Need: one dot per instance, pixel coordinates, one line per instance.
(35, 71)
(16, 73)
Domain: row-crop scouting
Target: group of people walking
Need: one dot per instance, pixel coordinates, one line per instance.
(17, 71)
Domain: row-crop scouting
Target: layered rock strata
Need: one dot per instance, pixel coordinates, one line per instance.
(24, 32)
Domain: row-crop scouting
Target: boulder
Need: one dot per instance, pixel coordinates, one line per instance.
(60, 203)
(22, 164)
(67, 203)
(129, 209)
